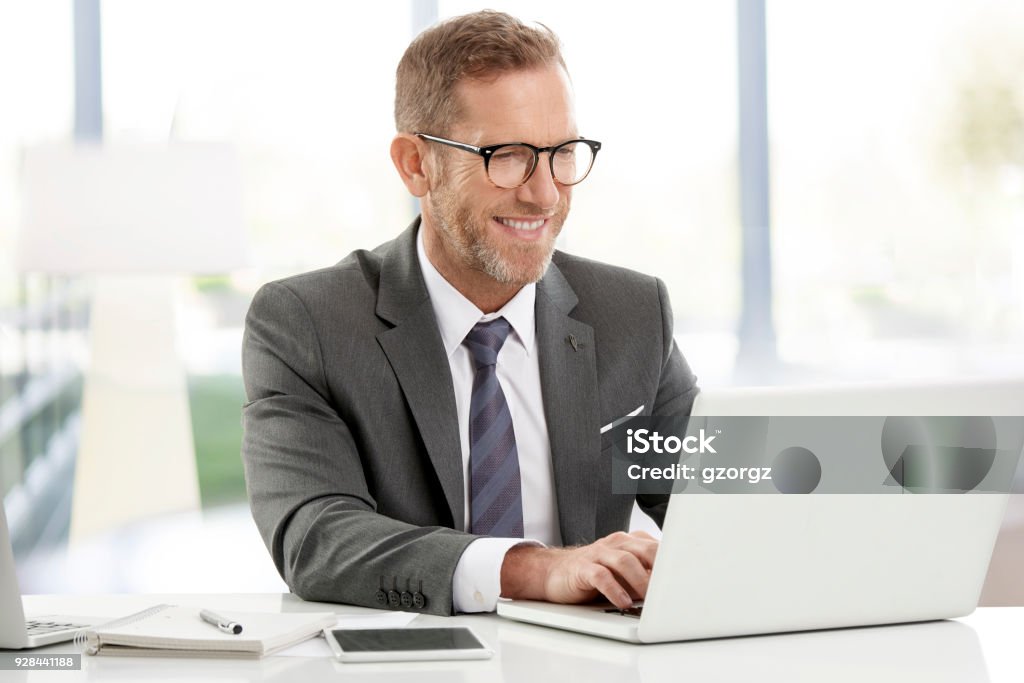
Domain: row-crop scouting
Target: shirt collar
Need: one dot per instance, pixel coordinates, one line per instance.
(456, 314)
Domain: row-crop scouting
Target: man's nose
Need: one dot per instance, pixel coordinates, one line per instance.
(541, 188)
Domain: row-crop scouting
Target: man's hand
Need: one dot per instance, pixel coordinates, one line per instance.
(617, 566)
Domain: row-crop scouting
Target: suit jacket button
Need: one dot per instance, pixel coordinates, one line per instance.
(382, 598)
(394, 599)
(419, 600)
(406, 599)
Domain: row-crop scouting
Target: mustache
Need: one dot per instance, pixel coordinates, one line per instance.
(526, 209)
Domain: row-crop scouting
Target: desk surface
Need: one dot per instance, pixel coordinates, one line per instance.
(985, 646)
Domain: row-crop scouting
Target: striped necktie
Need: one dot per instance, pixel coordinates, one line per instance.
(496, 499)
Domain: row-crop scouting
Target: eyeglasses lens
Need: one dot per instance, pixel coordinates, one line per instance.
(511, 165)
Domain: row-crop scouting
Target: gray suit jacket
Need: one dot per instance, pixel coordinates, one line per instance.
(351, 445)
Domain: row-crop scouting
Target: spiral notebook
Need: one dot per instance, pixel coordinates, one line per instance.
(172, 631)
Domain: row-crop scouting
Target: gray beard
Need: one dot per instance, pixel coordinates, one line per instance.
(492, 264)
(477, 253)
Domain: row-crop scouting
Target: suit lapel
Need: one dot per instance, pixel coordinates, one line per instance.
(413, 347)
(568, 377)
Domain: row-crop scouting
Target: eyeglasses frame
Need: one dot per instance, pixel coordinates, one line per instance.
(488, 151)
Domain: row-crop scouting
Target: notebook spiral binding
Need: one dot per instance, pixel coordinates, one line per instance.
(88, 642)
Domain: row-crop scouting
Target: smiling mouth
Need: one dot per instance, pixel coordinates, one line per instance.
(528, 225)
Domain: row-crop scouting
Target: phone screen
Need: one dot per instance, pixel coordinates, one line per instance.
(400, 639)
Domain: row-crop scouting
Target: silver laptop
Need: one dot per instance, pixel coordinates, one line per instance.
(734, 565)
(16, 632)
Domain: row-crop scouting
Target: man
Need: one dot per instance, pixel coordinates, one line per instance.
(424, 421)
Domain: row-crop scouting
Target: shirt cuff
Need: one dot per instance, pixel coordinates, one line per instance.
(476, 584)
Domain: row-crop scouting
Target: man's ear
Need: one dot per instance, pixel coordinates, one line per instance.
(407, 153)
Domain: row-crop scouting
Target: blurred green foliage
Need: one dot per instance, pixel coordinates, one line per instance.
(987, 122)
(212, 283)
(216, 406)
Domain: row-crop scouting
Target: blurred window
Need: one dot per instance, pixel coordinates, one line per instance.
(897, 152)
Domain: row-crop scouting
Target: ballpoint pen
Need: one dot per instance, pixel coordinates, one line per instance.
(223, 623)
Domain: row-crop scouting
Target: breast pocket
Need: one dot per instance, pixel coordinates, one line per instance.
(609, 433)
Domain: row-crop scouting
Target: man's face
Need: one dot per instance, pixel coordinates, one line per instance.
(507, 234)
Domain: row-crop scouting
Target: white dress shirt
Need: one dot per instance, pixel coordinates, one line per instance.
(477, 580)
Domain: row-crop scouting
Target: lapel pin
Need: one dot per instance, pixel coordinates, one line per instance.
(575, 344)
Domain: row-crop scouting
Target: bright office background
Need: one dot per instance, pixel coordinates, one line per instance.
(896, 138)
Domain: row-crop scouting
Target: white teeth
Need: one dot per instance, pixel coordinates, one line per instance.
(521, 225)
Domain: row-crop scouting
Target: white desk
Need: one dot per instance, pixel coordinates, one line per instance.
(986, 646)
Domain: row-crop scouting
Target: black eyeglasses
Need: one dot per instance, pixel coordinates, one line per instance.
(511, 164)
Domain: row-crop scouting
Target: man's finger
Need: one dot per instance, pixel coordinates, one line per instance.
(643, 548)
(633, 573)
(604, 581)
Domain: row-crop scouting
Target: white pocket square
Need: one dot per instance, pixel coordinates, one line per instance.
(615, 423)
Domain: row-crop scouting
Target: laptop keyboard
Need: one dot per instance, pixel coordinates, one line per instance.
(38, 628)
(635, 611)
